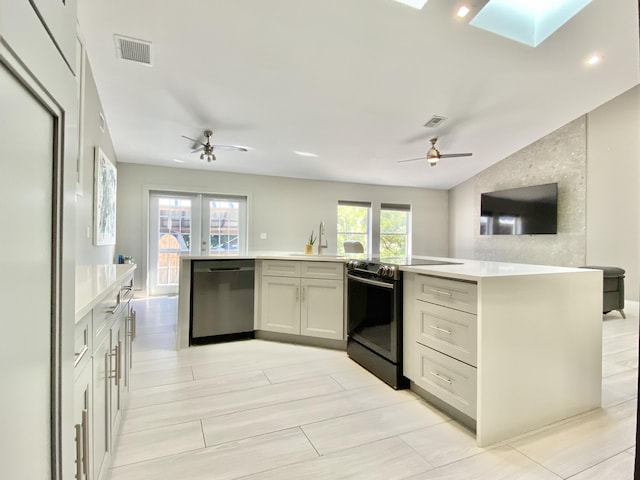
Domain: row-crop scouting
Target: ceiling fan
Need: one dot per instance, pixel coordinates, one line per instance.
(207, 147)
(433, 154)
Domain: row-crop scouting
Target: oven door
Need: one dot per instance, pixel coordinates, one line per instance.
(373, 313)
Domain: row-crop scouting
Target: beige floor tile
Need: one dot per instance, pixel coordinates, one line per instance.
(349, 431)
(619, 467)
(158, 442)
(501, 463)
(443, 443)
(583, 442)
(196, 388)
(619, 388)
(337, 363)
(388, 459)
(160, 377)
(271, 418)
(224, 462)
(204, 407)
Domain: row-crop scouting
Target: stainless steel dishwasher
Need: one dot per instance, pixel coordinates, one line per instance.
(221, 300)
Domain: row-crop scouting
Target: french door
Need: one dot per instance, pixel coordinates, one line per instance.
(191, 224)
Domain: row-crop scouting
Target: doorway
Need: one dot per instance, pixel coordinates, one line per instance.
(191, 224)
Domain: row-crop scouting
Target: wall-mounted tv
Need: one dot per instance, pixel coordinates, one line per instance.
(520, 211)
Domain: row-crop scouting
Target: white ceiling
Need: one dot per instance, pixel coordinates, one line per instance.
(353, 81)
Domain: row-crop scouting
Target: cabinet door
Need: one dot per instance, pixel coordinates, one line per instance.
(281, 304)
(322, 309)
(81, 414)
(100, 414)
(116, 363)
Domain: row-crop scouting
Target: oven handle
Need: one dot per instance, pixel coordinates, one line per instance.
(370, 282)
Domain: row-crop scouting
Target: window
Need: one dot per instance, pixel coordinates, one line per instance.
(354, 223)
(395, 221)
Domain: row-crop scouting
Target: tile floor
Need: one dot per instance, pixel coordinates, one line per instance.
(265, 410)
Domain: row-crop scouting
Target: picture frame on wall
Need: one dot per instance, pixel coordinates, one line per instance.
(105, 184)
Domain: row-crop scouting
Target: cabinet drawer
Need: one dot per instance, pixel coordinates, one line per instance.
(82, 344)
(328, 270)
(450, 331)
(449, 293)
(281, 268)
(448, 379)
(126, 289)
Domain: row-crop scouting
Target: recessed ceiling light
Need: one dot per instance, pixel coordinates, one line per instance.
(593, 59)
(178, 161)
(463, 11)
(305, 154)
(413, 3)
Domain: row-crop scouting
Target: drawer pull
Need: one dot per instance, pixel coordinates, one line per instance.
(79, 355)
(440, 329)
(440, 377)
(441, 292)
(85, 443)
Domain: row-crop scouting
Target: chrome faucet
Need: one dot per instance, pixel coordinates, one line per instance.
(321, 233)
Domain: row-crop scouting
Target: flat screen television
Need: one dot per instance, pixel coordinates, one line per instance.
(520, 211)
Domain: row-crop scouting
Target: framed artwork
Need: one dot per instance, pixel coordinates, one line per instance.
(104, 202)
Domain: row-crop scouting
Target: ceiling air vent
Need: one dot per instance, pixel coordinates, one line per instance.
(435, 121)
(133, 49)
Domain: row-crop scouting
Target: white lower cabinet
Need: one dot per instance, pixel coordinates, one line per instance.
(103, 359)
(302, 298)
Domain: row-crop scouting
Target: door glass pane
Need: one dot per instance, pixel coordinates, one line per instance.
(174, 237)
(224, 224)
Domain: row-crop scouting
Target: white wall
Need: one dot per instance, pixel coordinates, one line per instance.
(92, 136)
(599, 208)
(613, 201)
(286, 209)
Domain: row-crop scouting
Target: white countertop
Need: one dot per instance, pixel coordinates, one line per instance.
(464, 269)
(94, 281)
(477, 269)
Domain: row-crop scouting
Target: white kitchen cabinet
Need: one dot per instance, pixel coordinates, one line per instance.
(495, 347)
(100, 449)
(302, 298)
(322, 308)
(103, 345)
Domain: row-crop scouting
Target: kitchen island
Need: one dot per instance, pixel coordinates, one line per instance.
(504, 348)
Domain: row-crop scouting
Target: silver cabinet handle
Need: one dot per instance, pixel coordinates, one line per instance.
(439, 329)
(303, 293)
(132, 327)
(85, 442)
(440, 377)
(115, 373)
(79, 442)
(297, 294)
(441, 292)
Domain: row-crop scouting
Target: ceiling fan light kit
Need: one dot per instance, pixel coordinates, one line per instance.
(433, 155)
(207, 147)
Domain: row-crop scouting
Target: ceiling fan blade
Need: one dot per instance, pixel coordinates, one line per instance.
(452, 155)
(193, 140)
(411, 159)
(197, 149)
(230, 147)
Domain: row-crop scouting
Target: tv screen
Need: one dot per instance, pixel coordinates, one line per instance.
(520, 211)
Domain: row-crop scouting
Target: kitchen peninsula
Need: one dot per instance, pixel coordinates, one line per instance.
(505, 348)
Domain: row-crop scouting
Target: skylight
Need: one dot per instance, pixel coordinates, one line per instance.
(414, 3)
(527, 21)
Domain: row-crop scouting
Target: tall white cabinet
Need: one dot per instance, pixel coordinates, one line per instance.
(37, 185)
(302, 298)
